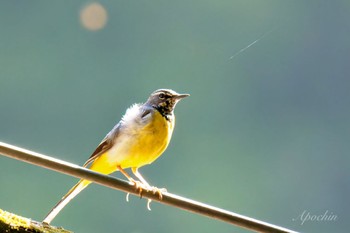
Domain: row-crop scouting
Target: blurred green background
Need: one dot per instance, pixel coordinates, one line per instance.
(264, 134)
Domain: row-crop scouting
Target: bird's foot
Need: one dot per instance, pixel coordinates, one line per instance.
(142, 187)
(155, 190)
(138, 186)
(159, 191)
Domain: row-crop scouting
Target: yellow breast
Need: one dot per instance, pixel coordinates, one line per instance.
(151, 141)
(138, 144)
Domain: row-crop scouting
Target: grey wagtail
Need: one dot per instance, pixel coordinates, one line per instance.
(141, 136)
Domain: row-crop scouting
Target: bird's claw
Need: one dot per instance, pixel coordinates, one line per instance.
(159, 191)
(138, 186)
(141, 188)
(155, 190)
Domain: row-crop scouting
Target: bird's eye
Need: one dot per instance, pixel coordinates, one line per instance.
(161, 96)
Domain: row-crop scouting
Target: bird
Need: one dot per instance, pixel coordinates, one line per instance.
(138, 139)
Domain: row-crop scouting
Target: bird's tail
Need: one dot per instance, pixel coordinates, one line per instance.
(82, 184)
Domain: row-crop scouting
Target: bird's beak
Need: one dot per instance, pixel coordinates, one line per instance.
(181, 96)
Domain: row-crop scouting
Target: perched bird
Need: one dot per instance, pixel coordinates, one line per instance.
(141, 136)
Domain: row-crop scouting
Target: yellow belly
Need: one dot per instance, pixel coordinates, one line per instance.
(138, 146)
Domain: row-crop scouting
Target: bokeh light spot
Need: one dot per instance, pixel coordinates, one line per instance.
(93, 16)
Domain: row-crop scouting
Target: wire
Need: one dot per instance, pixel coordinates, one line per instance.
(109, 181)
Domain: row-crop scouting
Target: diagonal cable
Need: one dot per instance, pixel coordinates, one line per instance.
(168, 198)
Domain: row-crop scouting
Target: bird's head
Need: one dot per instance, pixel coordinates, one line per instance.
(165, 100)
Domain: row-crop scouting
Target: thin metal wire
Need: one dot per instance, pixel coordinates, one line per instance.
(168, 198)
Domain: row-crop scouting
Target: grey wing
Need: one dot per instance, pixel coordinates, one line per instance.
(105, 145)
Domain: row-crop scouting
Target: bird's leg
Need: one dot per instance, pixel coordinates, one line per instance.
(138, 184)
(151, 188)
